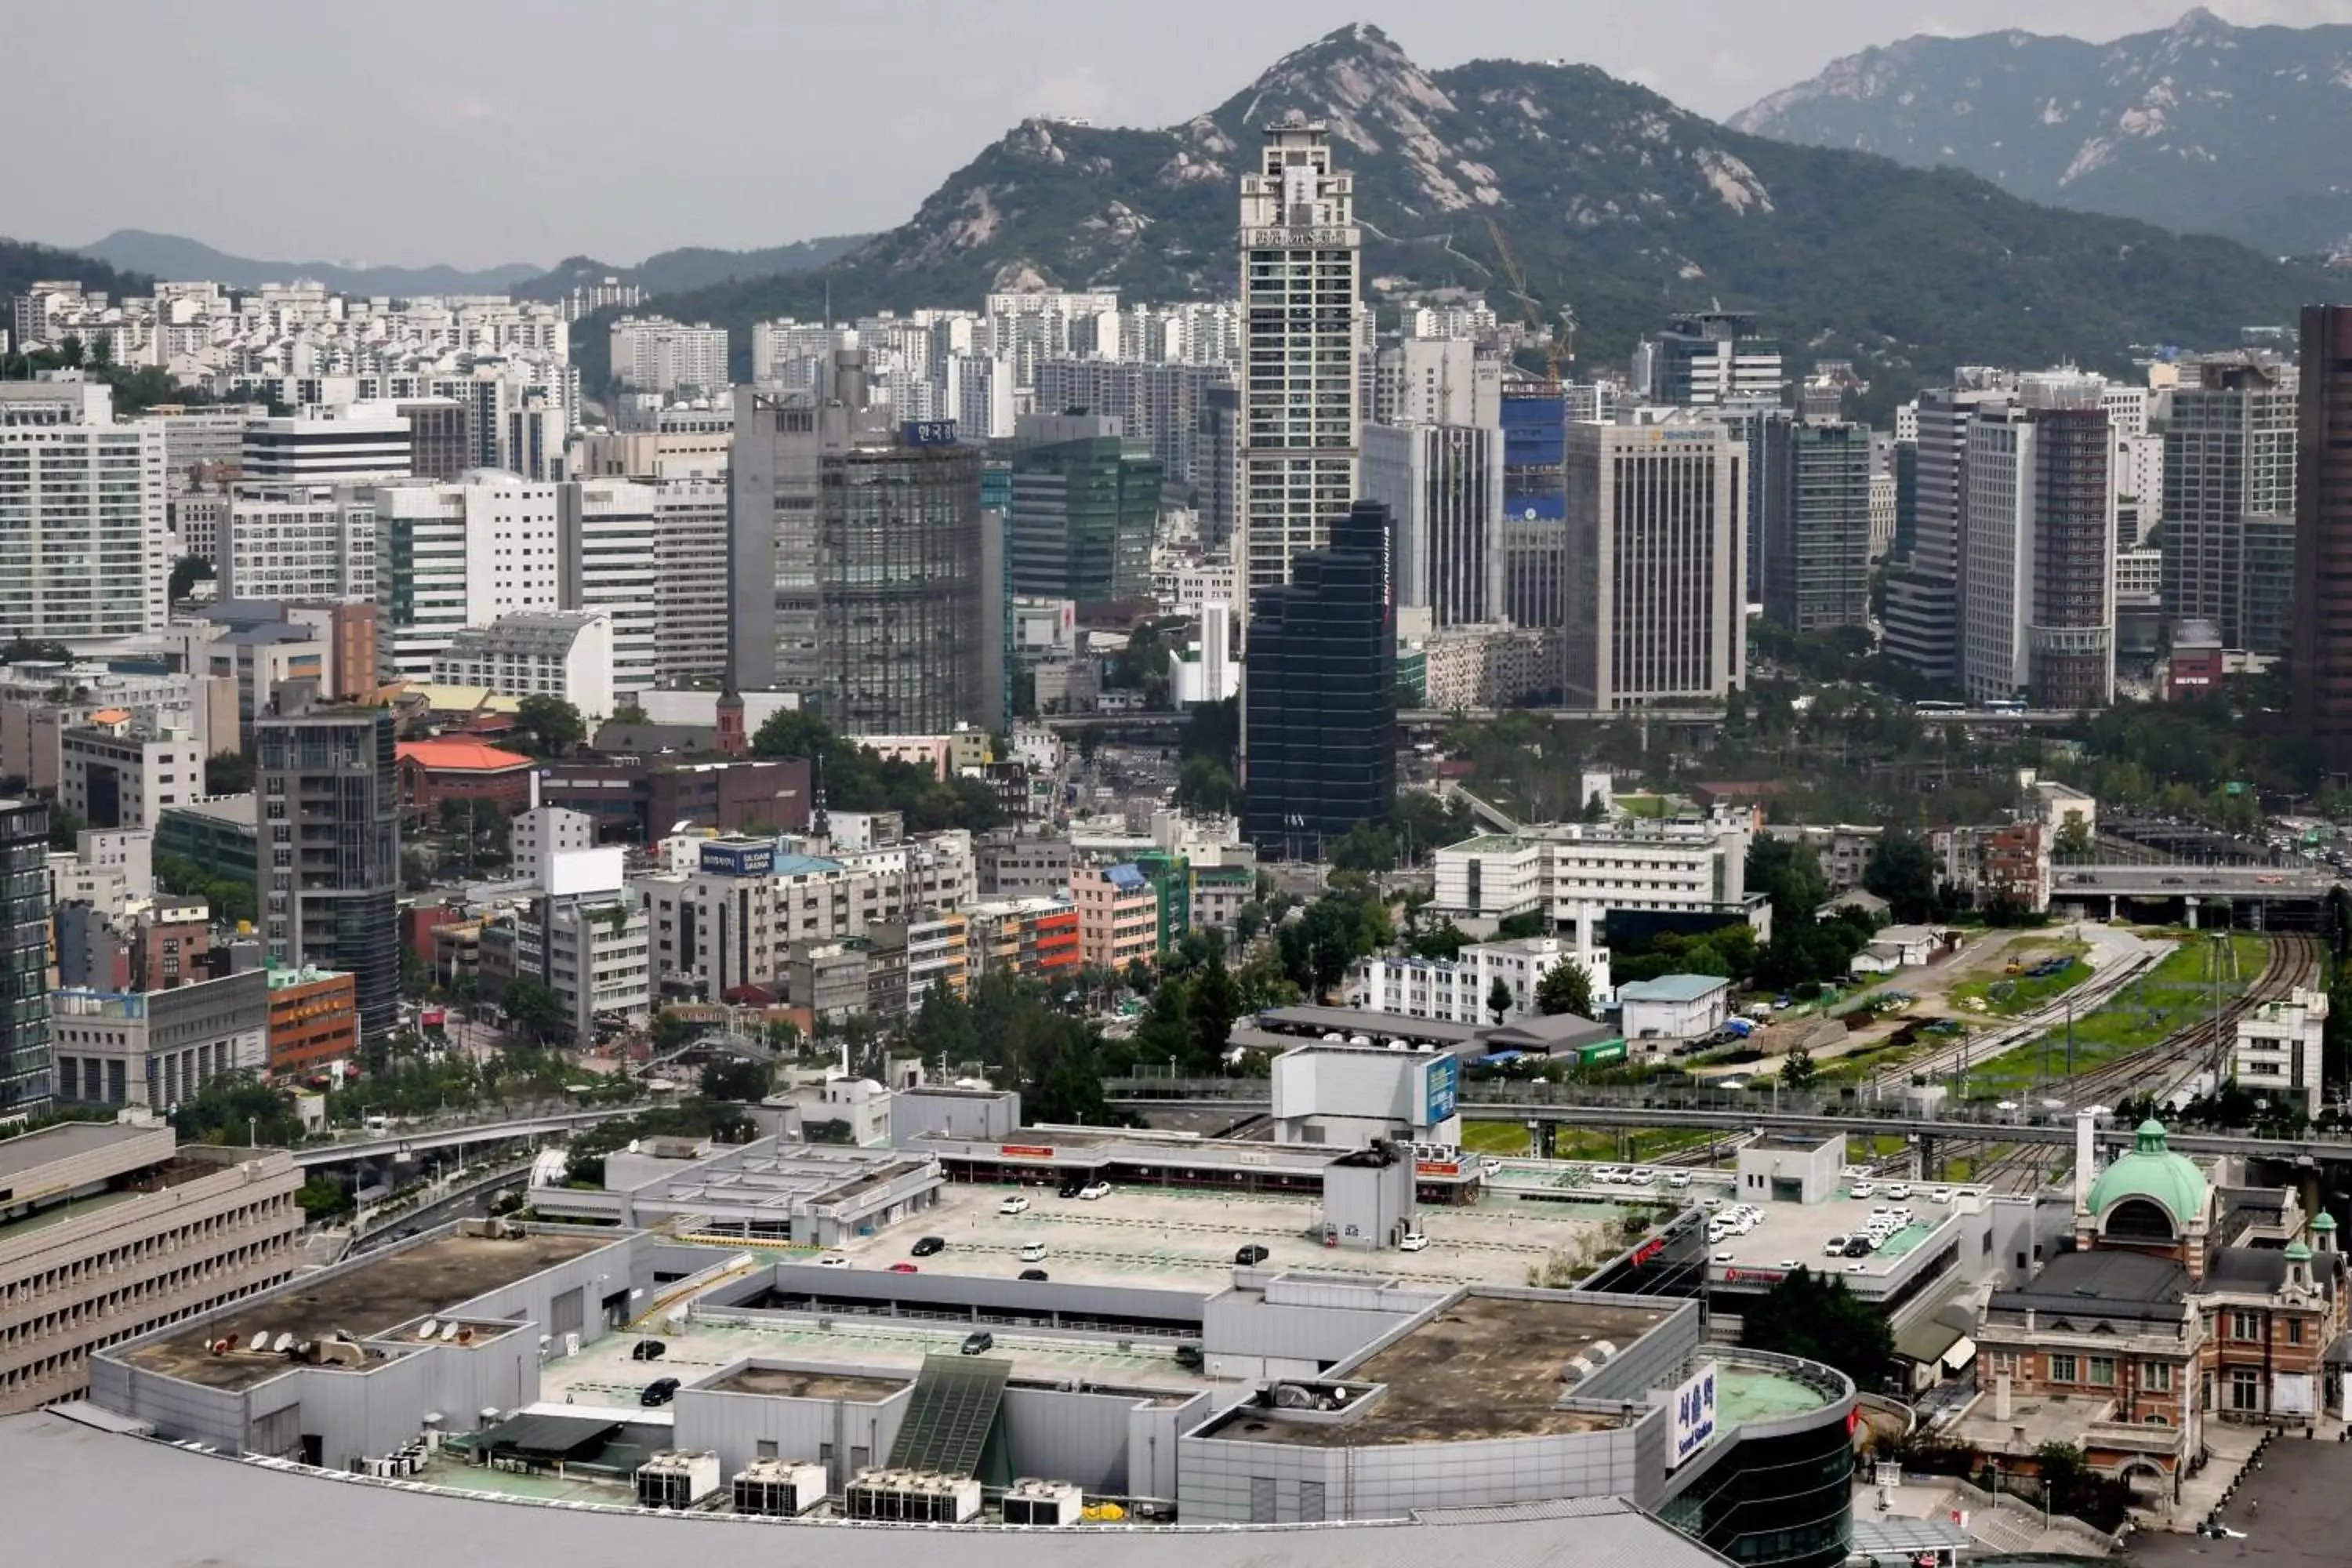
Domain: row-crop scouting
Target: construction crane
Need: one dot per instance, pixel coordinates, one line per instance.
(1560, 348)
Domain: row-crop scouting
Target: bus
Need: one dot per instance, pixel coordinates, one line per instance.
(1935, 705)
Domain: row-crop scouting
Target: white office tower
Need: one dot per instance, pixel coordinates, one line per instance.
(295, 541)
(1442, 485)
(788, 353)
(327, 443)
(1301, 390)
(1437, 380)
(457, 556)
(84, 539)
(1657, 531)
(565, 653)
(2038, 547)
(979, 396)
(657, 354)
(689, 571)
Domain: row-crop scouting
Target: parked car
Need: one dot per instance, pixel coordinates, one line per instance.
(1898, 1192)
(904, 1268)
(1094, 1190)
(1032, 1252)
(1862, 1190)
(647, 1349)
(925, 1245)
(1414, 1242)
(1679, 1179)
(1251, 1254)
(660, 1390)
(1016, 1204)
(1857, 1246)
(1032, 1273)
(1833, 1248)
(978, 1343)
(832, 1260)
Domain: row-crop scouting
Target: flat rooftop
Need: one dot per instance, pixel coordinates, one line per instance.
(1794, 1236)
(799, 1383)
(31, 1151)
(368, 1301)
(1487, 1366)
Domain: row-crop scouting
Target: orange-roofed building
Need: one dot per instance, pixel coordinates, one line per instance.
(433, 772)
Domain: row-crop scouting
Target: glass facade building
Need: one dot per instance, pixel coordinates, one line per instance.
(329, 849)
(25, 1064)
(1319, 742)
(1778, 1488)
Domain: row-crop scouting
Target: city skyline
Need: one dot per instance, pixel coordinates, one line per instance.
(468, 170)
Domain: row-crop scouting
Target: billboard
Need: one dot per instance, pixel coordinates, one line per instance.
(1693, 1416)
(736, 859)
(928, 432)
(1443, 1087)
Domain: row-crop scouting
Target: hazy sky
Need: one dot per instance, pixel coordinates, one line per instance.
(497, 131)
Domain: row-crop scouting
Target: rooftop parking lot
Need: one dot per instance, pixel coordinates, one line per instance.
(1792, 1236)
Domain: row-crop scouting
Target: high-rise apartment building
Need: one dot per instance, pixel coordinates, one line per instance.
(857, 548)
(1442, 485)
(2229, 462)
(329, 851)
(1302, 379)
(25, 1061)
(1086, 502)
(1156, 403)
(1816, 499)
(690, 573)
(2038, 548)
(298, 540)
(82, 515)
(1656, 547)
(2321, 658)
(1709, 359)
(657, 354)
(1319, 751)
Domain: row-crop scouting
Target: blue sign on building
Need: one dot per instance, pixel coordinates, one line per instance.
(928, 432)
(1445, 1087)
(739, 859)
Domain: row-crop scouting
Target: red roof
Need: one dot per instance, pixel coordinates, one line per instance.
(460, 757)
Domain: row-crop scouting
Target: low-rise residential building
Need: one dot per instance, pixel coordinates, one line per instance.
(149, 945)
(1118, 916)
(111, 1231)
(108, 869)
(1021, 866)
(1457, 990)
(1842, 850)
(1032, 939)
(2277, 1053)
(1574, 876)
(2005, 864)
(314, 1019)
(641, 798)
(566, 655)
(593, 951)
(938, 955)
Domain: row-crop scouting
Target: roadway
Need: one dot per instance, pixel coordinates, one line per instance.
(2185, 881)
(416, 1139)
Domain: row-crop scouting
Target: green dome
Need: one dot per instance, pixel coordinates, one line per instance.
(2151, 1171)
(2297, 1252)
(2324, 1222)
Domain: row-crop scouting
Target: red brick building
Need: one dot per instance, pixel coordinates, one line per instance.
(434, 772)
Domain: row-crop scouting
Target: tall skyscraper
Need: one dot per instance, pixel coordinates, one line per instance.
(1656, 540)
(82, 515)
(1302, 376)
(1923, 598)
(2322, 657)
(2038, 549)
(1086, 504)
(1817, 523)
(856, 560)
(329, 856)
(1535, 509)
(1442, 485)
(1320, 691)
(24, 1058)
(2229, 498)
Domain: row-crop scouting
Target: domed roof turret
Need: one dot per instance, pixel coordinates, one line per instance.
(2151, 1171)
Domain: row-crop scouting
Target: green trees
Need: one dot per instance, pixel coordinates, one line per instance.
(1902, 870)
(1369, 846)
(1817, 1318)
(735, 1080)
(1501, 999)
(229, 899)
(186, 572)
(1788, 872)
(549, 726)
(1797, 1071)
(1329, 935)
(535, 1010)
(1565, 988)
(228, 772)
(857, 779)
(237, 1109)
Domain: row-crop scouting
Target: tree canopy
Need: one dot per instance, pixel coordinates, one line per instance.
(1816, 1317)
(857, 779)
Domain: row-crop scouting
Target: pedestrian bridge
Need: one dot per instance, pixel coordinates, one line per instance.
(2266, 884)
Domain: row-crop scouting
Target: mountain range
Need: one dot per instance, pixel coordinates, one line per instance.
(1612, 200)
(2201, 128)
(694, 266)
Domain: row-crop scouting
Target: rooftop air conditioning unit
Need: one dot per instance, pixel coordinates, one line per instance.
(912, 1496)
(676, 1478)
(1044, 1503)
(779, 1488)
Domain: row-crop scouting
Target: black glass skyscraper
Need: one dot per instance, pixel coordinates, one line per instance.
(23, 955)
(1319, 700)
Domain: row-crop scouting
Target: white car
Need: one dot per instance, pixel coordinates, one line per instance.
(1679, 1179)
(1863, 1190)
(1939, 1195)
(1032, 1252)
(1607, 1174)
(1414, 1242)
(1094, 1190)
(1642, 1178)
(1857, 1269)
(1722, 1258)
(1491, 1167)
(1016, 1204)
(1898, 1193)
(1833, 1248)
(832, 1260)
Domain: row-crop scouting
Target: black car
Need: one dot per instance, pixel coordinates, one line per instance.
(978, 1343)
(1071, 1186)
(1032, 1273)
(1858, 1247)
(648, 1350)
(925, 1245)
(660, 1390)
(1251, 1254)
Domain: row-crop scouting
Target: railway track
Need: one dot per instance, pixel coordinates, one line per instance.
(2159, 1070)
